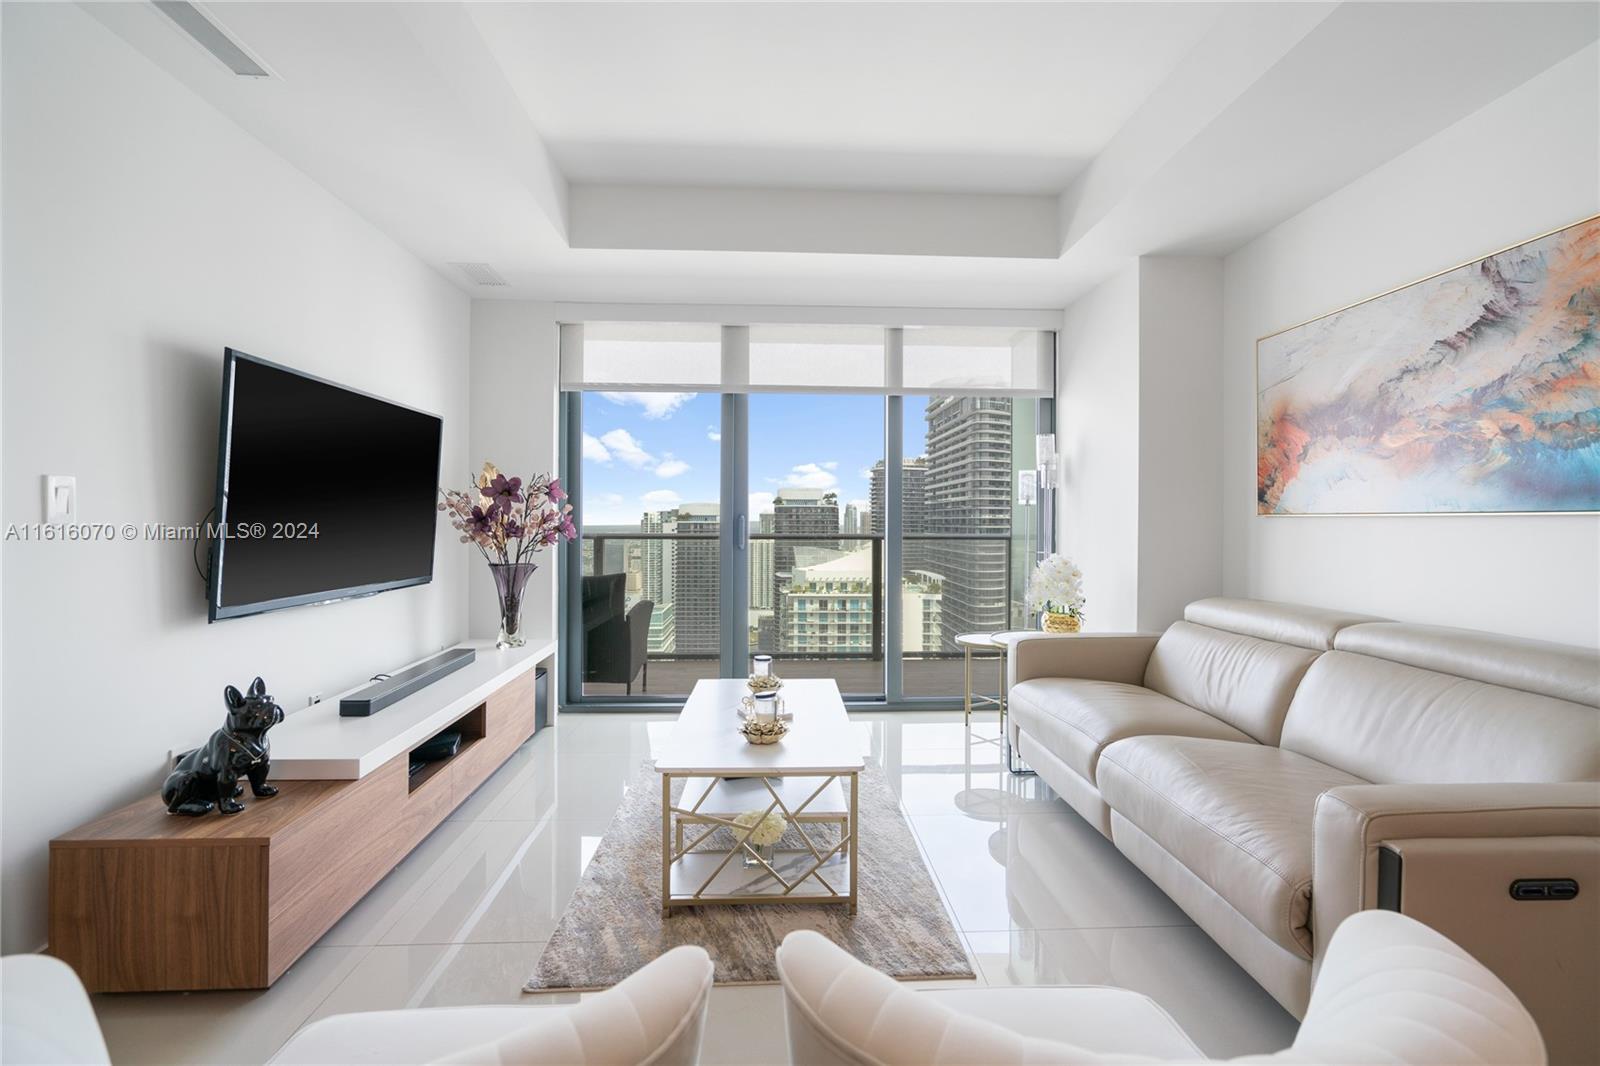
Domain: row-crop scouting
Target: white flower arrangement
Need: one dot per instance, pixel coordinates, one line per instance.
(769, 828)
(1056, 586)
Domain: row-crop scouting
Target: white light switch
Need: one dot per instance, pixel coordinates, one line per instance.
(60, 498)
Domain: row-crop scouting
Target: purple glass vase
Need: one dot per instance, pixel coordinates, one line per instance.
(510, 582)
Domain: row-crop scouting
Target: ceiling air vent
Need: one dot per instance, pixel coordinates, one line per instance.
(213, 38)
(480, 273)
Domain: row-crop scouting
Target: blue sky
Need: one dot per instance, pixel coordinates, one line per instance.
(651, 451)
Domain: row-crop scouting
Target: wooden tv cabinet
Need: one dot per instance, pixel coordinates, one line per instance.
(144, 901)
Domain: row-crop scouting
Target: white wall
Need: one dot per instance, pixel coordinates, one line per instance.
(1180, 419)
(515, 424)
(143, 233)
(1137, 420)
(1526, 164)
(1097, 434)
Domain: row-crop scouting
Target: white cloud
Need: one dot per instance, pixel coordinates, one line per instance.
(670, 467)
(760, 503)
(607, 509)
(623, 445)
(866, 473)
(654, 404)
(713, 433)
(811, 476)
(660, 499)
(594, 451)
(831, 465)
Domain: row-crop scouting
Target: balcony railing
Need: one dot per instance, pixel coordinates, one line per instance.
(797, 583)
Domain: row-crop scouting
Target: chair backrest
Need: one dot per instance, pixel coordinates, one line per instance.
(45, 1015)
(603, 598)
(842, 1012)
(655, 1017)
(1240, 660)
(1393, 990)
(1390, 990)
(1396, 703)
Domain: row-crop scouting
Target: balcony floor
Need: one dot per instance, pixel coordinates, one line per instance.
(856, 677)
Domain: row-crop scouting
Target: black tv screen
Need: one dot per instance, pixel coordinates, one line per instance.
(323, 492)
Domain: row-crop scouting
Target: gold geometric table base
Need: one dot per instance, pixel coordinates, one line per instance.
(695, 875)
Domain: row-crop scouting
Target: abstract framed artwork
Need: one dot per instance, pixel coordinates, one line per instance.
(1475, 390)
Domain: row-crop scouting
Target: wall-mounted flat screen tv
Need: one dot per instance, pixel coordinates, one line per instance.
(323, 492)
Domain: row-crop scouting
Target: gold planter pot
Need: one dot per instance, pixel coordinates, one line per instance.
(1058, 622)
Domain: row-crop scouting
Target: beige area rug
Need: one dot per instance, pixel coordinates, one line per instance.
(613, 924)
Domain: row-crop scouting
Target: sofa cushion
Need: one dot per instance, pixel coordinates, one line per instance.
(1239, 816)
(1281, 623)
(1076, 719)
(1396, 724)
(1245, 681)
(1561, 671)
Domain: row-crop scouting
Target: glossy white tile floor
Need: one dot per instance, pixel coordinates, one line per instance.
(1039, 897)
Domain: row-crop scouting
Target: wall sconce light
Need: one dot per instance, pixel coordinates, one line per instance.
(1045, 458)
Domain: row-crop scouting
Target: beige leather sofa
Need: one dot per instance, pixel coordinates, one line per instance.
(1276, 768)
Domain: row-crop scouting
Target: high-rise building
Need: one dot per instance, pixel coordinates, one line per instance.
(830, 606)
(657, 559)
(851, 522)
(968, 491)
(913, 508)
(658, 555)
(761, 574)
(920, 627)
(663, 629)
(804, 512)
(696, 579)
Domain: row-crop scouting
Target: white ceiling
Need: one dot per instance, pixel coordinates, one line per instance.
(995, 97)
(910, 154)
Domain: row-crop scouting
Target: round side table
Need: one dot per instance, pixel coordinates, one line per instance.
(1000, 645)
(981, 643)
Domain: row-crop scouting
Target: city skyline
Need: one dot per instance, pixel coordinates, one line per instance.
(647, 452)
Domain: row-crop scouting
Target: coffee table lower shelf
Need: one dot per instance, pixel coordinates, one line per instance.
(824, 871)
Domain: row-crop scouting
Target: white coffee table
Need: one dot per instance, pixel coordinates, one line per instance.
(804, 777)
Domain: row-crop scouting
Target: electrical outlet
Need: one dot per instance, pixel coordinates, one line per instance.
(313, 699)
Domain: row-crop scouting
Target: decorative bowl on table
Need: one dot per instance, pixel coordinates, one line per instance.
(764, 682)
(763, 730)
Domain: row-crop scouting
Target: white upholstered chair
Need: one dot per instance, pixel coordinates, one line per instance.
(655, 1016)
(45, 1015)
(1390, 990)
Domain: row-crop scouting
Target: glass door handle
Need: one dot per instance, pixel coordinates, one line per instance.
(744, 533)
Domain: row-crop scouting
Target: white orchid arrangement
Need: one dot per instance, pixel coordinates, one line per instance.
(769, 828)
(1056, 586)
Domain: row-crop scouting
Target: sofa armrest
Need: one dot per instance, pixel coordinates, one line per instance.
(1091, 656)
(1353, 820)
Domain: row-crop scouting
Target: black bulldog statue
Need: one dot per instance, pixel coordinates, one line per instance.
(208, 776)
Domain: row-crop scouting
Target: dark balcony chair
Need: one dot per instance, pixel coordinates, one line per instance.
(616, 644)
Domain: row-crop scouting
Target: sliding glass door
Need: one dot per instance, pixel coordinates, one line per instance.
(749, 508)
(816, 566)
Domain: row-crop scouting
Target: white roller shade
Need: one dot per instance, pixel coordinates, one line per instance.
(642, 356)
(780, 357)
(962, 359)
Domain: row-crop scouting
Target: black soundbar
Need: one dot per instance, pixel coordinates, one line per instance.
(377, 696)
